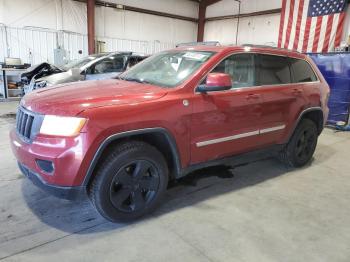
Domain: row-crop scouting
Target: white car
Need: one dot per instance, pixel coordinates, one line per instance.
(92, 67)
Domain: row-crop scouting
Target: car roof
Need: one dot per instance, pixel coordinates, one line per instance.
(244, 48)
(122, 53)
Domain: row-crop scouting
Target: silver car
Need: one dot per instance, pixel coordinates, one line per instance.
(92, 67)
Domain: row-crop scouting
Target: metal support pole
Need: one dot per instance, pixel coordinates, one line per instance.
(201, 21)
(239, 14)
(91, 25)
(4, 78)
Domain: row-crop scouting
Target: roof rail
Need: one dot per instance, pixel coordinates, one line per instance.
(268, 46)
(208, 43)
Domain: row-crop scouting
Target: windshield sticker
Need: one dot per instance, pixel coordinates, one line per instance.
(195, 56)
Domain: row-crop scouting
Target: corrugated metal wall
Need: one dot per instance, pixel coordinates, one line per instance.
(146, 47)
(72, 43)
(36, 45)
(31, 45)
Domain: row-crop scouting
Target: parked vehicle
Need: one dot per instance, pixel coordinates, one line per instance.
(121, 140)
(93, 67)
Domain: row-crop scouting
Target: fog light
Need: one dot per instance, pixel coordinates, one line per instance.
(45, 165)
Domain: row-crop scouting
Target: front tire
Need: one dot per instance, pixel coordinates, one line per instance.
(130, 183)
(302, 145)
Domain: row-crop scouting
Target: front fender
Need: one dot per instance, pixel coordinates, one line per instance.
(114, 137)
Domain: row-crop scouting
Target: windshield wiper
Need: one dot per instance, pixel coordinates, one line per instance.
(134, 79)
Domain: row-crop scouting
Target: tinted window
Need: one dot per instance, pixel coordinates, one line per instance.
(133, 60)
(302, 71)
(241, 69)
(273, 70)
(109, 65)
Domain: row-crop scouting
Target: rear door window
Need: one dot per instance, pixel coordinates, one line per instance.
(302, 71)
(273, 70)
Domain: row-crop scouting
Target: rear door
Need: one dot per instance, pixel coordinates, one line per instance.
(281, 97)
(227, 122)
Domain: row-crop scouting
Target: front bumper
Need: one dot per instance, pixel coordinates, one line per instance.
(71, 193)
(65, 154)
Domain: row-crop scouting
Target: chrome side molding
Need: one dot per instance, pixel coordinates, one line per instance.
(242, 135)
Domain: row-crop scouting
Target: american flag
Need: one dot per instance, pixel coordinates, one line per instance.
(311, 25)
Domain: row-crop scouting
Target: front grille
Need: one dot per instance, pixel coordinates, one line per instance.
(24, 123)
(27, 124)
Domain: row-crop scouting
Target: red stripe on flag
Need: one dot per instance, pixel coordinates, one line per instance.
(280, 36)
(290, 23)
(328, 33)
(339, 29)
(297, 30)
(306, 34)
(317, 33)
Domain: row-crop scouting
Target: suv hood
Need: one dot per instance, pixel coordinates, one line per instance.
(73, 98)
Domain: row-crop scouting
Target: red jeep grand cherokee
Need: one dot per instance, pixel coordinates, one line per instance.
(121, 140)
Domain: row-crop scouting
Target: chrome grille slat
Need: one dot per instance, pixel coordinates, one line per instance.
(28, 126)
(19, 119)
(25, 125)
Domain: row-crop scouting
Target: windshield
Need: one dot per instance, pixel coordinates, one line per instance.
(167, 69)
(82, 61)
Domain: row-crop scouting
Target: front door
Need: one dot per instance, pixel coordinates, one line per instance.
(225, 123)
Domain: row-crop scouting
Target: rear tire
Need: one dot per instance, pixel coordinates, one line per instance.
(302, 145)
(130, 183)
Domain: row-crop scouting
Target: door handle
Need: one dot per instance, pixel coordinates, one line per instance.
(297, 91)
(252, 96)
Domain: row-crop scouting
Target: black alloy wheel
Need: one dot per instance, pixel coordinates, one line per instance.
(305, 144)
(134, 186)
(130, 182)
(302, 144)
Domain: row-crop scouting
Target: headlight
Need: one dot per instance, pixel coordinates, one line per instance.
(62, 125)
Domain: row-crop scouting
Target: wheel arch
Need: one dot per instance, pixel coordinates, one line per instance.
(158, 137)
(315, 114)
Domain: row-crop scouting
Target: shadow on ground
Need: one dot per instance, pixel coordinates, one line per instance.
(81, 217)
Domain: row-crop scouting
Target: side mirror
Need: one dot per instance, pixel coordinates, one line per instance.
(215, 82)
